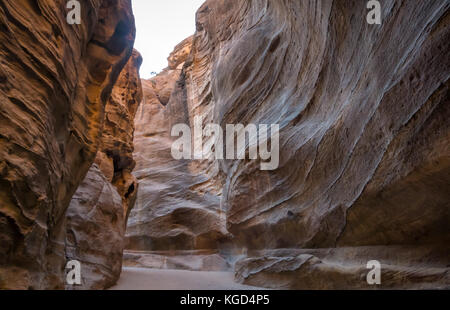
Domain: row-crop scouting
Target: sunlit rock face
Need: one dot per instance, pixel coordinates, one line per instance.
(97, 215)
(364, 142)
(118, 131)
(55, 80)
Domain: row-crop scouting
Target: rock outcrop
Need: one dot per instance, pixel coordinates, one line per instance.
(55, 80)
(172, 211)
(97, 215)
(95, 231)
(364, 143)
(118, 132)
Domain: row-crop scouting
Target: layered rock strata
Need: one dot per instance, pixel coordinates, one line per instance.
(55, 80)
(364, 143)
(97, 215)
(176, 209)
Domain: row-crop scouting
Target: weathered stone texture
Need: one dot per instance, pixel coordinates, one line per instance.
(55, 80)
(364, 139)
(172, 211)
(97, 215)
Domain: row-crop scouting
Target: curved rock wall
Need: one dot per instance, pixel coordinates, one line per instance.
(55, 80)
(364, 141)
(97, 215)
(353, 101)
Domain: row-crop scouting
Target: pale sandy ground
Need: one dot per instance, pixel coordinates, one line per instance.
(160, 279)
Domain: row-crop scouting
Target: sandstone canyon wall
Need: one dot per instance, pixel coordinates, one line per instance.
(364, 168)
(55, 80)
(97, 215)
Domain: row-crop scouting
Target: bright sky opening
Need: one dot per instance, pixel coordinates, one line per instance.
(160, 26)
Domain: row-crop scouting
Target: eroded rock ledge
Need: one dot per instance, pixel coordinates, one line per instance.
(365, 143)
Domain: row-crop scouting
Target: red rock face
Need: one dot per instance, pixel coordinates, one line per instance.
(118, 131)
(55, 80)
(97, 215)
(364, 142)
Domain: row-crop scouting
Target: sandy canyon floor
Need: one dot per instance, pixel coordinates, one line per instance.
(157, 279)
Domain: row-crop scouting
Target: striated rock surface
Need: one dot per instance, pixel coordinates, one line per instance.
(97, 215)
(95, 231)
(364, 143)
(174, 208)
(118, 131)
(402, 267)
(55, 80)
